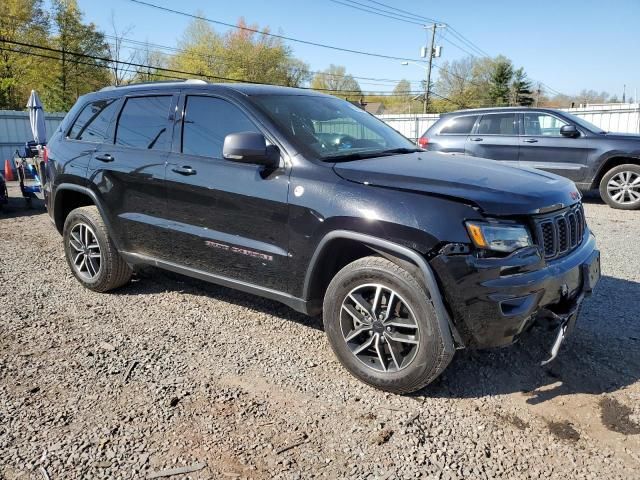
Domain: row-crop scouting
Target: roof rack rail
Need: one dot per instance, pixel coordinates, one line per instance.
(196, 81)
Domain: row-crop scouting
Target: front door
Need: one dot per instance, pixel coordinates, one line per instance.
(128, 172)
(224, 218)
(495, 136)
(542, 146)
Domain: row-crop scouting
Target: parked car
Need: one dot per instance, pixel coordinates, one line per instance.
(548, 139)
(4, 194)
(308, 200)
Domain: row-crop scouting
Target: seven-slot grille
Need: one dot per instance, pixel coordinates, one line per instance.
(561, 232)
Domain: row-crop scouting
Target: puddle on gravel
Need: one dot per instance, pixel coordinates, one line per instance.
(564, 431)
(615, 416)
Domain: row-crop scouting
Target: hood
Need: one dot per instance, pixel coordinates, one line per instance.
(495, 188)
(622, 136)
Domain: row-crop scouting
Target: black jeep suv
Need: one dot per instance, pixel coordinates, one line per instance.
(548, 139)
(308, 200)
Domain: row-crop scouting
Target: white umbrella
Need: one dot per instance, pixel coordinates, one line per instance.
(36, 118)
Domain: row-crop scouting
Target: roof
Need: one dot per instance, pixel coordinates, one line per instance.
(500, 109)
(243, 88)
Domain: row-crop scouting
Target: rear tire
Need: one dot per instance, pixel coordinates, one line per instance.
(620, 187)
(406, 348)
(90, 252)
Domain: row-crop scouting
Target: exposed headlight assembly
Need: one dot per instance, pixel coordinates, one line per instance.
(498, 237)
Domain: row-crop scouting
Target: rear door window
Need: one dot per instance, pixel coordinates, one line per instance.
(459, 125)
(207, 121)
(143, 123)
(93, 122)
(498, 124)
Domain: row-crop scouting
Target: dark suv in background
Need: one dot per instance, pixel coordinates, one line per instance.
(307, 199)
(550, 140)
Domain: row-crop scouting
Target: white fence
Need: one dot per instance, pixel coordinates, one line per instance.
(614, 117)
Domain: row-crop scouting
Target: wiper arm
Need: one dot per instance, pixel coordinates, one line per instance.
(363, 155)
(403, 150)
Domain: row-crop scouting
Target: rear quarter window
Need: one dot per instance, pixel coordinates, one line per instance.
(92, 124)
(458, 125)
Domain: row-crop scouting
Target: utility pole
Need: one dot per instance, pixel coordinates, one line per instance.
(430, 52)
(538, 94)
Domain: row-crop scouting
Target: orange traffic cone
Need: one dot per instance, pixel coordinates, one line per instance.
(8, 172)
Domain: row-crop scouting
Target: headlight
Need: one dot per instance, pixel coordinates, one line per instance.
(497, 237)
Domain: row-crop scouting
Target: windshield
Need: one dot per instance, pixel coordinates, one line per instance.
(331, 129)
(583, 123)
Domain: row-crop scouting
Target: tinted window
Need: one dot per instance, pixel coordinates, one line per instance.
(459, 125)
(207, 121)
(542, 124)
(143, 123)
(498, 124)
(93, 122)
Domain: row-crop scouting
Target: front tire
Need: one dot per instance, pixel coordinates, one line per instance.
(90, 252)
(382, 326)
(620, 187)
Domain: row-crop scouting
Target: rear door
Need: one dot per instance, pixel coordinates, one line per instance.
(495, 136)
(451, 135)
(542, 146)
(128, 171)
(225, 218)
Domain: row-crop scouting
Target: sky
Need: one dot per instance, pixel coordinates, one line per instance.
(569, 45)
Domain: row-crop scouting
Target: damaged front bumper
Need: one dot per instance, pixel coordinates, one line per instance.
(494, 300)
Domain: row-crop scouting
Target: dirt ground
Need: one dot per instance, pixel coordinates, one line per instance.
(170, 373)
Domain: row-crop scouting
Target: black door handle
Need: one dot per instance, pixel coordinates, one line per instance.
(530, 140)
(186, 170)
(477, 139)
(105, 158)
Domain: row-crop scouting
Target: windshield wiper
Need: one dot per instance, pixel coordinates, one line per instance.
(402, 150)
(362, 155)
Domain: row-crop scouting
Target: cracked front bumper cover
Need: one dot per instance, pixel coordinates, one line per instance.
(494, 300)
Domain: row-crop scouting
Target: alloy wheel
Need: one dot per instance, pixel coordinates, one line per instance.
(85, 251)
(379, 328)
(624, 187)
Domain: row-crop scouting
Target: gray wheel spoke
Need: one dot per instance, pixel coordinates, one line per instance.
(78, 257)
(76, 245)
(356, 332)
(633, 195)
(618, 195)
(394, 350)
(379, 353)
(376, 301)
(363, 346)
(362, 303)
(400, 322)
(92, 266)
(355, 314)
(401, 337)
(390, 301)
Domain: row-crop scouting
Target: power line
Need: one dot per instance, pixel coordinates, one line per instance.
(282, 37)
(353, 93)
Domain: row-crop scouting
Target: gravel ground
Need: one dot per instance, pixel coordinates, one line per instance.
(170, 372)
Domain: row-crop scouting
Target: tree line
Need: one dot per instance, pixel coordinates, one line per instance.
(52, 49)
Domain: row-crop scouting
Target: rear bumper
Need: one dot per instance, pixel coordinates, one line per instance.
(494, 300)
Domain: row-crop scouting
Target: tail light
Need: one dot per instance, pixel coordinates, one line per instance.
(45, 154)
(423, 142)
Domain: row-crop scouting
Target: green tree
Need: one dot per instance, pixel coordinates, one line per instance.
(245, 54)
(521, 93)
(500, 81)
(335, 79)
(76, 73)
(21, 70)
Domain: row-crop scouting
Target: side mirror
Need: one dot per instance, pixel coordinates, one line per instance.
(569, 131)
(250, 147)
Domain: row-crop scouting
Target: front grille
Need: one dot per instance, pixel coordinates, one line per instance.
(561, 232)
